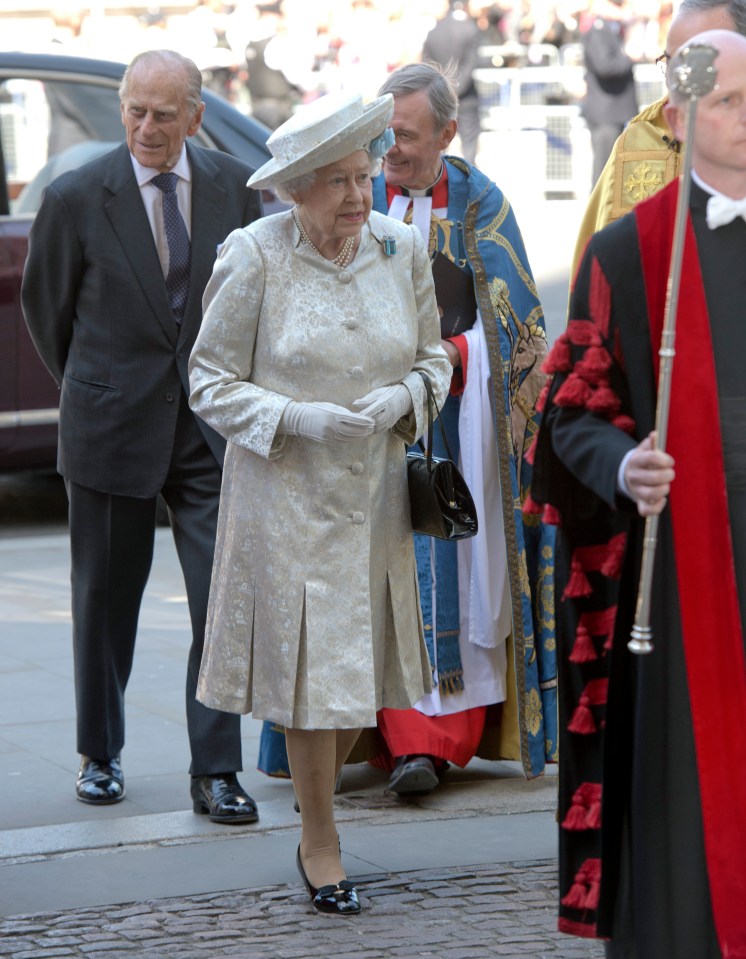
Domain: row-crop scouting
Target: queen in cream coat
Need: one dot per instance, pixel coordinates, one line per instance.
(314, 618)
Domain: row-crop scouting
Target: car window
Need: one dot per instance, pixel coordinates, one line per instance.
(50, 127)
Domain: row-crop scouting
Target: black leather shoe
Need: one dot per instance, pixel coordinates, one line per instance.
(337, 900)
(100, 781)
(414, 776)
(222, 799)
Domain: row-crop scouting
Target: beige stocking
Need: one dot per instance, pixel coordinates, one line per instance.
(315, 756)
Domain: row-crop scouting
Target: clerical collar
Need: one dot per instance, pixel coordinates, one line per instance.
(438, 190)
(428, 190)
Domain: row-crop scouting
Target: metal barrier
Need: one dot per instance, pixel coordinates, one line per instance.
(534, 138)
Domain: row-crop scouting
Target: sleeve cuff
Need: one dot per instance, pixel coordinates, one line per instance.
(620, 483)
(458, 378)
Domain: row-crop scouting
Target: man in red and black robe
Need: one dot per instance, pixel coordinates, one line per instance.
(652, 748)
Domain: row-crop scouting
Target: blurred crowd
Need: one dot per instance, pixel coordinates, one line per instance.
(291, 51)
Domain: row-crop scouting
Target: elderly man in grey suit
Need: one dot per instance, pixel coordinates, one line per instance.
(119, 255)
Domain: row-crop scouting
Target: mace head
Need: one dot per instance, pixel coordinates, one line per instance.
(691, 72)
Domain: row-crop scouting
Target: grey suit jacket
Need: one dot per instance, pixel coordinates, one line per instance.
(97, 308)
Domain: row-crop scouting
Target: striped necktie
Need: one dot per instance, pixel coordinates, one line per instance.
(179, 248)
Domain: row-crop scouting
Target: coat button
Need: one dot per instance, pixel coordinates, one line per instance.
(356, 372)
(344, 277)
(352, 324)
(169, 397)
(357, 468)
(358, 518)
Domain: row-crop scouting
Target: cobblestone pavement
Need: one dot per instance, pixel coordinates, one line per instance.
(461, 913)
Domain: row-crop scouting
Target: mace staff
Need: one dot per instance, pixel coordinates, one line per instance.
(690, 74)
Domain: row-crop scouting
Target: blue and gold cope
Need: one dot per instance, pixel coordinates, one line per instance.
(480, 235)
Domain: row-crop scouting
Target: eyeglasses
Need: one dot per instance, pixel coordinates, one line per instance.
(662, 62)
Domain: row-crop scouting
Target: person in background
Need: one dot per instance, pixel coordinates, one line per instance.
(610, 100)
(119, 255)
(273, 96)
(318, 323)
(647, 156)
(455, 39)
(653, 767)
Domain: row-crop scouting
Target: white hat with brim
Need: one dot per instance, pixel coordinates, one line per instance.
(328, 129)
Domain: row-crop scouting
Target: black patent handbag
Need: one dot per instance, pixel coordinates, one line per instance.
(439, 499)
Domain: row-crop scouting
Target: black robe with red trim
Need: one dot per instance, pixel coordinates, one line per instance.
(652, 748)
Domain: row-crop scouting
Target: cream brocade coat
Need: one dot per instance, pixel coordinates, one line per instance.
(314, 617)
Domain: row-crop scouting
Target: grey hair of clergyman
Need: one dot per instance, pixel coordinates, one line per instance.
(291, 189)
(736, 9)
(439, 83)
(172, 61)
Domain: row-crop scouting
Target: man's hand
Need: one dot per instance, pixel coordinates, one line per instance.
(453, 354)
(648, 474)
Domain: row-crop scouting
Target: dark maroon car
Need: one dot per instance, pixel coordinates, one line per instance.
(57, 112)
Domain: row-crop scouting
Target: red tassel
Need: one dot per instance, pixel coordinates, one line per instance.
(578, 584)
(573, 392)
(597, 691)
(591, 376)
(594, 894)
(531, 507)
(583, 650)
(582, 333)
(594, 694)
(612, 565)
(582, 721)
(574, 821)
(593, 816)
(575, 899)
(531, 451)
(593, 804)
(552, 516)
(600, 623)
(593, 879)
(560, 357)
(597, 359)
(604, 402)
(584, 892)
(624, 423)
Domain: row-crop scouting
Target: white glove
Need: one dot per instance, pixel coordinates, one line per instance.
(386, 405)
(323, 422)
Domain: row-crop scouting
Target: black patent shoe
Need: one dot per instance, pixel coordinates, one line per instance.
(336, 900)
(222, 799)
(100, 781)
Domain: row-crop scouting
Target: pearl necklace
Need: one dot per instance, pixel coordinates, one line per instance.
(342, 258)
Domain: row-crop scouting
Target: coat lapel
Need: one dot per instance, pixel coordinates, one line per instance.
(130, 224)
(208, 230)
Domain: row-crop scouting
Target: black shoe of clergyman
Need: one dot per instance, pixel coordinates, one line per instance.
(414, 776)
(100, 781)
(222, 799)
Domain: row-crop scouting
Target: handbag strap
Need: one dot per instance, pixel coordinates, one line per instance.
(430, 404)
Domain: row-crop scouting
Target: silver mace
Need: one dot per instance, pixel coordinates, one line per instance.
(690, 74)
